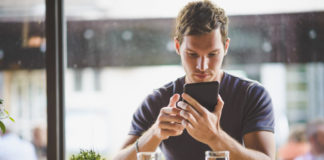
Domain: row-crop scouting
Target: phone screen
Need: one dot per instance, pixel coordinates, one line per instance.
(204, 92)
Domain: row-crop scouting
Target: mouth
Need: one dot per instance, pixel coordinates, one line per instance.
(201, 75)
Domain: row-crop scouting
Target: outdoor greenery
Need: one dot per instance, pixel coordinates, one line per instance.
(3, 115)
(87, 155)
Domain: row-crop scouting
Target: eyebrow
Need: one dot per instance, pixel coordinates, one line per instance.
(190, 50)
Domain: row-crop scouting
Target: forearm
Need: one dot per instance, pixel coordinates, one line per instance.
(167, 124)
(146, 143)
(237, 151)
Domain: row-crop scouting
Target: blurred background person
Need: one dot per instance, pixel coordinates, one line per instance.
(315, 135)
(296, 144)
(40, 141)
(12, 147)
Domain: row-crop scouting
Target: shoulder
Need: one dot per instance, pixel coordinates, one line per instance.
(242, 80)
(255, 92)
(247, 85)
(148, 111)
(160, 97)
(167, 90)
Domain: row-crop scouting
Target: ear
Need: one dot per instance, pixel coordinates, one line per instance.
(177, 45)
(227, 43)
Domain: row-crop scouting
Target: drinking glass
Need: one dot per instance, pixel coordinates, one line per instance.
(148, 156)
(217, 155)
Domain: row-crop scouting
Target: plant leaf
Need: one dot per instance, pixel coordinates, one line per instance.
(6, 112)
(1, 101)
(3, 127)
(11, 119)
(87, 155)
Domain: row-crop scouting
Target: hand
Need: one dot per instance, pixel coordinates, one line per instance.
(169, 121)
(201, 124)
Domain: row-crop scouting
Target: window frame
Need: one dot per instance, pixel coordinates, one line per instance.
(55, 27)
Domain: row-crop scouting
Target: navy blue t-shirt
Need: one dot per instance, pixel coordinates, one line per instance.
(247, 108)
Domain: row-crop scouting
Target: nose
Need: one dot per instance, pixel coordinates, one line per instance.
(202, 63)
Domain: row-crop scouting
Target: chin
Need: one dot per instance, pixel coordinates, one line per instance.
(197, 80)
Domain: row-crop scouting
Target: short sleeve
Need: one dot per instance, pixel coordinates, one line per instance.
(258, 113)
(146, 114)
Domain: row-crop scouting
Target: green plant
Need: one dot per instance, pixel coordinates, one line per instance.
(3, 115)
(87, 155)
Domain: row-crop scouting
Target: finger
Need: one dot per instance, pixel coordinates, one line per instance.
(170, 110)
(219, 107)
(171, 126)
(173, 100)
(188, 108)
(170, 132)
(170, 118)
(198, 107)
(187, 125)
(184, 123)
(189, 117)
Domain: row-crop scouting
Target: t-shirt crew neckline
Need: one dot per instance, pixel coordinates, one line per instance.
(221, 88)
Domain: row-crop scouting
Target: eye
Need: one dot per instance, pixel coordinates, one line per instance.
(194, 55)
(213, 54)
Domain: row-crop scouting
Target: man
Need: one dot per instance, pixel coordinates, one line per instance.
(315, 135)
(242, 121)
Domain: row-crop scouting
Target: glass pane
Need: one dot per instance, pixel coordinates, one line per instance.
(23, 79)
(119, 51)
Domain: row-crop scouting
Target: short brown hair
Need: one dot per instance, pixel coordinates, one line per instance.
(201, 17)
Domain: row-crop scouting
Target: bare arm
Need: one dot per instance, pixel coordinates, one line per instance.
(204, 126)
(259, 145)
(167, 124)
(128, 149)
(148, 142)
(262, 141)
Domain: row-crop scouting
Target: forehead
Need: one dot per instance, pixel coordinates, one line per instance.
(211, 40)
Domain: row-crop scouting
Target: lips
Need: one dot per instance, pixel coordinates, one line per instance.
(201, 76)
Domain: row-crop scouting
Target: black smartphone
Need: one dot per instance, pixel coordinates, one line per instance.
(205, 93)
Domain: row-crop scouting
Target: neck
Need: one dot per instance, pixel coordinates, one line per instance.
(219, 76)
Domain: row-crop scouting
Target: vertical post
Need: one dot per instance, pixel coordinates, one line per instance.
(55, 65)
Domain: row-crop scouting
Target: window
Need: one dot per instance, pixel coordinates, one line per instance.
(23, 75)
(97, 79)
(125, 48)
(77, 80)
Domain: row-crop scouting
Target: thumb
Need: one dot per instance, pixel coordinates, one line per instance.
(219, 107)
(173, 100)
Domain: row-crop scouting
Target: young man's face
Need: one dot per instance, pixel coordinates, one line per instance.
(202, 56)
